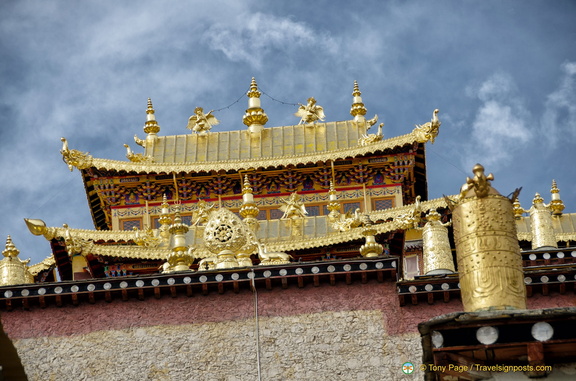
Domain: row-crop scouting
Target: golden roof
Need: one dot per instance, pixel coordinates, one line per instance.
(241, 150)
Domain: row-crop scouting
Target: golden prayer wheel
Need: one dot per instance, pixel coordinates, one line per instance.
(437, 252)
(488, 254)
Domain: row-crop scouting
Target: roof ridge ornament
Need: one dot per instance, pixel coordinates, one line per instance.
(372, 138)
(255, 117)
(310, 112)
(137, 157)
(74, 158)
(428, 131)
(202, 123)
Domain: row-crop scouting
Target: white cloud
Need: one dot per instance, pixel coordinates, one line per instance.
(252, 40)
(500, 126)
(559, 118)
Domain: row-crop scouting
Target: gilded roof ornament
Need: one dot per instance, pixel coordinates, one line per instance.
(13, 270)
(479, 185)
(310, 112)
(372, 138)
(10, 251)
(202, 212)
(411, 219)
(137, 157)
(518, 210)
(271, 258)
(556, 204)
(225, 235)
(165, 218)
(74, 158)
(255, 117)
(293, 207)
(202, 123)
(428, 131)
(371, 248)
(347, 221)
(333, 204)
(181, 256)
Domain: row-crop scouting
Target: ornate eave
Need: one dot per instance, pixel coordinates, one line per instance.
(244, 164)
(319, 233)
(46, 264)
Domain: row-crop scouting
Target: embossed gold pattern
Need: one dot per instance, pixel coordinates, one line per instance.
(488, 255)
(541, 224)
(436, 246)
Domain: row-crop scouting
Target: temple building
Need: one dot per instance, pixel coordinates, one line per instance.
(300, 252)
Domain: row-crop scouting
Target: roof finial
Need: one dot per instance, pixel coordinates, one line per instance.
(11, 250)
(358, 110)
(556, 205)
(151, 127)
(255, 117)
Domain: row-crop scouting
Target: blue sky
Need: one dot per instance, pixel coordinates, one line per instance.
(503, 75)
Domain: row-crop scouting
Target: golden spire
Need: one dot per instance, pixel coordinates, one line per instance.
(518, 210)
(180, 258)
(255, 117)
(358, 110)
(556, 205)
(12, 269)
(165, 218)
(11, 251)
(333, 204)
(249, 211)
(151, 127)
(488, 254)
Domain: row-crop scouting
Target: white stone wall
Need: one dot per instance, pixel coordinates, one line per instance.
(350, 345)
